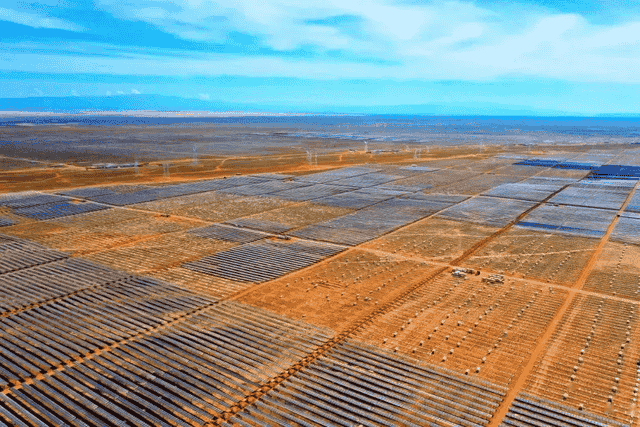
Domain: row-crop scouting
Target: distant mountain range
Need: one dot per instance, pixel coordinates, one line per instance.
(90, 104)
(115, 103)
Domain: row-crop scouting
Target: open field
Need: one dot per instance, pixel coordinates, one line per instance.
(474, 286)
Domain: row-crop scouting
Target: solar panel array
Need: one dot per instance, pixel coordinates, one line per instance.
(418, 168)
(592, 195)
(132, 194)
(356, 384)
(122, 350)
(627, 230)
(227, 233)
(5, 222)
(333, 188)
(593, 157)
(572, 220)
(627, 214)
(528, 410)
(52, 280)
(543, 163)
(43, 337)
(617, 172)
(344, 236)
(261, 224)
(627, 158)
(373, 221)
(263, 188)
(381, 191)
(334, 175)
(487, 211)
(58, 210)
(184, 374)
(311, 192)
(586, 162)
(263, 260)
(634, 203)
(404, 188)
(127, 198)
(524, 191)
(366, 180)
(25, 200)
(353, 199)
(87, 192)
(273, 176)
(302, 188)
(437, 198)
(17, 254)
(553, 181)
(588, 166)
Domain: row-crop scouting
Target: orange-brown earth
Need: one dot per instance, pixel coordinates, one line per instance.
(541, 331)
(336, 292)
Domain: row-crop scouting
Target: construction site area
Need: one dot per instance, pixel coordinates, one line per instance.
(464, 286)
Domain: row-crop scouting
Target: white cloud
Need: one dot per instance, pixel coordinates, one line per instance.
(135, 92)
(204, 96)
(108, 93)
(120, 92)
(36, 20)
(74, 93)
(471, 65)
(453, 39)
(436, 40)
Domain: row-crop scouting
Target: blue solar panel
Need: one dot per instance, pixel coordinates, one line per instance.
(627, 230)
(616, 172)
(86, 192)
(559, 228)
(577, 166)
(544, 163)
(128, 198)
(17, 200)
(574, 220)
(4, 222)
(57, 210)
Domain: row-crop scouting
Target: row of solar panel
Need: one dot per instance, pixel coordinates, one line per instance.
(263, 260)
(599, 170)
(356, 384)
(528, 410)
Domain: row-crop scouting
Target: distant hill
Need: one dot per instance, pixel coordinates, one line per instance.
(118, 103)
(176, 103)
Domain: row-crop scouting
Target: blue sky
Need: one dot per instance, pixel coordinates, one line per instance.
(544, 56)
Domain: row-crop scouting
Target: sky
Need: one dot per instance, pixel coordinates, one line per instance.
(543, 56)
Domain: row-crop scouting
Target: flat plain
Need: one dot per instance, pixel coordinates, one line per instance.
(473, 286)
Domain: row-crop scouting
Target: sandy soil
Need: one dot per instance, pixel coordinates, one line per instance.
(562, 323)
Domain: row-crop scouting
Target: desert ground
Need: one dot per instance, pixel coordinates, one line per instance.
(313, 282)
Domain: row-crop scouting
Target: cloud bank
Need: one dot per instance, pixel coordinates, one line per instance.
(459, 40)
(587, 51)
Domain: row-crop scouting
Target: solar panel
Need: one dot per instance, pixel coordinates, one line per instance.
(263, 260)
(627, 230)
(587, 222)
(58, 210)
(228, 233)
(4, 222)
(487, 211)
(617, 172)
